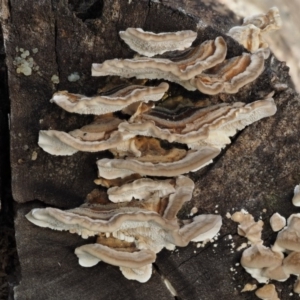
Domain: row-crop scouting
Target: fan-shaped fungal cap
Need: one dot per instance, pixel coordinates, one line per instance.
(150, 44)
(178, 68)
(277, 222)
(137, 265)
(97, 136)
(288, 238)
(257, 258)
(209, 126)
(296, 198)
(267, 292)
(249, 36)
(277, 273)
(193, 161)
(140, 189)
(231, 75)
(111, 101)
(291, 264)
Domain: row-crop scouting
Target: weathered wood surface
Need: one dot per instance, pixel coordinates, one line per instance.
(259, 169)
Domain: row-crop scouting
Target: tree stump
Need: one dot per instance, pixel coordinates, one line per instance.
(257, 171)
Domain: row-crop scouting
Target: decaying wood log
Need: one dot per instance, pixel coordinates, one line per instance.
(258, 171)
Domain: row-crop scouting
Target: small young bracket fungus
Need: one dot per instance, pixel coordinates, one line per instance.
(277, 222)
(193, 161)
(178, 68)
(248, 227)
(111, 101)
(149, 44)
(231, 75)
(288, 238)
(250, 34)
(267, 292)
(258, 258)
(296, 198)
(130, 234)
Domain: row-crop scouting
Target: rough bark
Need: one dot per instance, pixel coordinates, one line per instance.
(258, 170)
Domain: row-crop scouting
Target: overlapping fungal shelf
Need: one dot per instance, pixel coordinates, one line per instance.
(151, 139)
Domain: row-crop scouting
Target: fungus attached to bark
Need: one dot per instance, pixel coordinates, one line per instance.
(130, 234)
(267, 292)
(259, 258)
(178, 67)
(111, 101)
(140, 189)
(296, 198)
(277, 222)
(100, 135)
(250, 34)
(288, 238)
(230, 75)
(198, 127)
(248, 227)
(193, 161)
(149, 44)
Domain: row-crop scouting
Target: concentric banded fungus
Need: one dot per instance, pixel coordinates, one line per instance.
(250, 34)
(210, 126)
(231, 75)
(150, 44)
(177, 68)
(101, 135)
(193, 161)
(111, 101)
(130, 234)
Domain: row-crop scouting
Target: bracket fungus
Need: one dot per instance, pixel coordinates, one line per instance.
(156, 140)
(250, 34)
(130, 234)
(111, 101)
(176, 67)
(195, 127)
(100, 135)
(149, 44)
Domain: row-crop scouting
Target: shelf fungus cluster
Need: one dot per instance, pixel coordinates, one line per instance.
(277, 262)
(151, 136)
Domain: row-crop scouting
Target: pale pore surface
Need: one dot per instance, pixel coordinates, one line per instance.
(149, 44)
